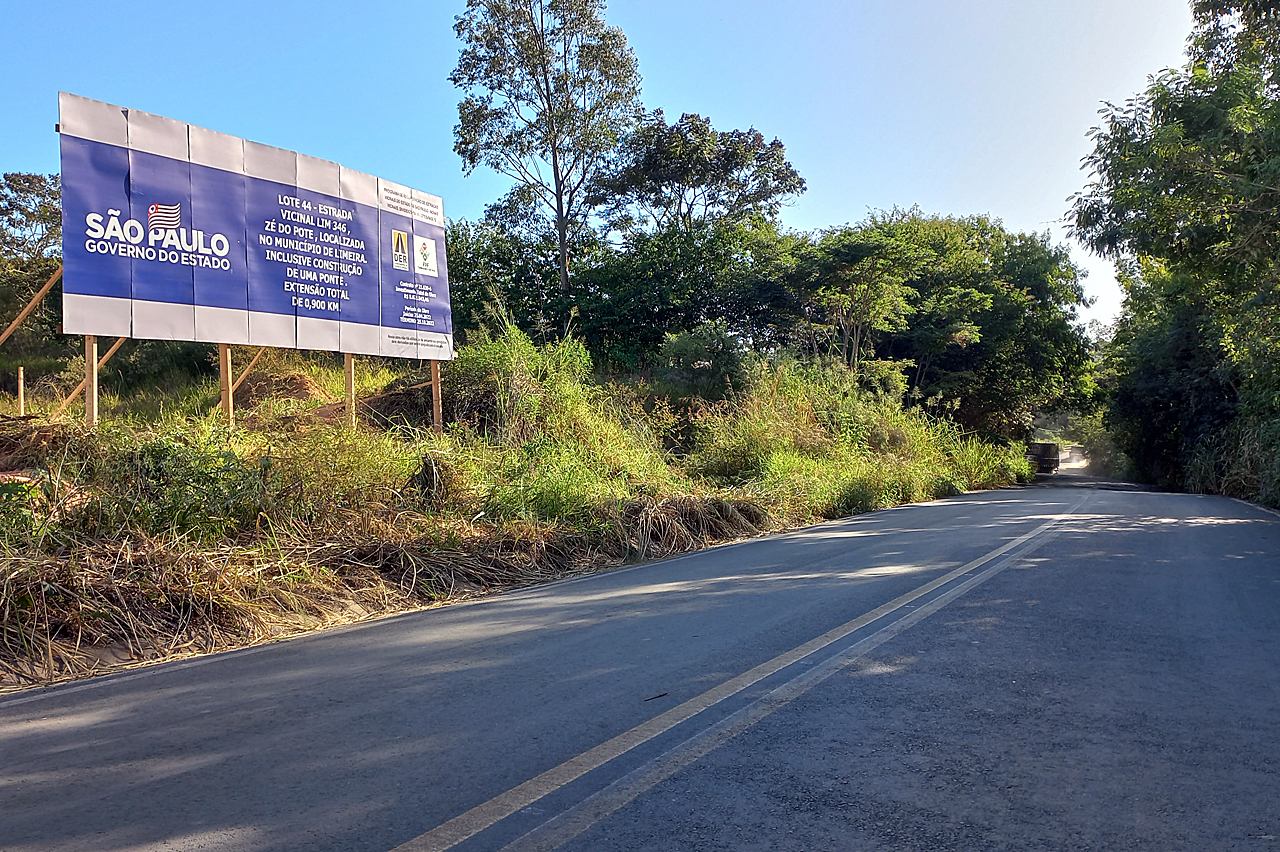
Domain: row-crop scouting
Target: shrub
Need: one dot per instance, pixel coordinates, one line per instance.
(705, 362)
(169, 483)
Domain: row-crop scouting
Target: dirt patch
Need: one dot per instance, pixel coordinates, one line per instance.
(409, 406)
(262, 386)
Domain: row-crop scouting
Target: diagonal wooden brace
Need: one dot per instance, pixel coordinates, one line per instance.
(31, 306)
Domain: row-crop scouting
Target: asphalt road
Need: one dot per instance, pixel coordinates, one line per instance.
(1070, 665)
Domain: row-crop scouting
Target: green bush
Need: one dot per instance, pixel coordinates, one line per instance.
(18, 511)
(705, 363)
(545, 443)
(507, 389)
(170, 484)
(809, 442)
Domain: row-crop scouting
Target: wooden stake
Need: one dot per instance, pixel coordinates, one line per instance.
(90, 380)
(351, 390)
(235, 386)
(80, 387)
(224, 377)
(31, 306)
(227, 387)
(22, 393)
(437, 404)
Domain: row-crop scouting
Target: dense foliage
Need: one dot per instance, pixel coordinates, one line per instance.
(689, 172)
(30, 249)
(978, 322)
(1187, 196)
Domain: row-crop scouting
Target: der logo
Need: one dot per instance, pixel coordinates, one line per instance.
(400, 250)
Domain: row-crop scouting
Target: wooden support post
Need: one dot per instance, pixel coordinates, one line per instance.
(80, 387)
(351, 389)
(437, 404)
(31, 306)
(224, 377)
(22, 393)
(90, 380)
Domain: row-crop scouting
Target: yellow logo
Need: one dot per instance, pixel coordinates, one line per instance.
(400, 250)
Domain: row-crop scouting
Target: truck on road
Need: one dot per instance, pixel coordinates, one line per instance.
(1044, 456)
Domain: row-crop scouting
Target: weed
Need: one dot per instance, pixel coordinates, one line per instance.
(165, 533)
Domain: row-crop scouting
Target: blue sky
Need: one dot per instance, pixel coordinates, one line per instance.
(958, 107)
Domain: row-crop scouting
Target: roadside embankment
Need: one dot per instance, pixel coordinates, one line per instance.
(148, 540)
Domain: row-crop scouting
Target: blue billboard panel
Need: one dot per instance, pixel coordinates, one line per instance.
(172, 231)
(98, 241)
(218, 206)
(160, 199)
(396, 271)
(273, 253)
(163, 278)
(353, 229)
(415, 300)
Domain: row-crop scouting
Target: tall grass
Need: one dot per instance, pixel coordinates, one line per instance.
(163, 530)
(806, 442)
(1242, 460)
(551, 446)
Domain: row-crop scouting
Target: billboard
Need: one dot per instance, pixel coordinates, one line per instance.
(175, 232)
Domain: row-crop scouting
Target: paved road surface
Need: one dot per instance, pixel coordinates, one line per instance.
(1071, 665)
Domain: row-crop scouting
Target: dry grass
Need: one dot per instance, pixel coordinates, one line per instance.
(146, 540)
(656, 527)
(26, 443)
(112, 605)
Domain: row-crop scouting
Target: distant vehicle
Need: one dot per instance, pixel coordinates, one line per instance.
(1045, 456)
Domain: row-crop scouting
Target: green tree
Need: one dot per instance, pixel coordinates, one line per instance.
(949, 289)
(489, 262)
(676, 174)
(30, 251)
(854, 281)
(983, 320)
(549, 87)
(30, 218)
(1229, 31)
(674, 280)
(1033, 354)
(1187, 173)
(1171, 388)
(995, 335)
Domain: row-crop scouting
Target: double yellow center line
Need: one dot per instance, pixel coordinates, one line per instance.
(564, 827)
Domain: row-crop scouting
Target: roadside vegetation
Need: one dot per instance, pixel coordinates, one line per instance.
(1184, 197)
(649, 361)
(163, 534)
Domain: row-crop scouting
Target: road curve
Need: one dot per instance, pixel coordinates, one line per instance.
(1071, 665)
